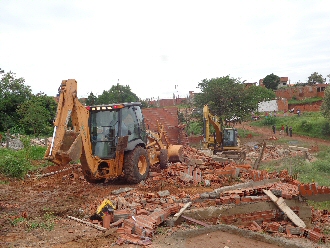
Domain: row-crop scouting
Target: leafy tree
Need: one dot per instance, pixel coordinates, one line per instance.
(325, 107)
(117, 94)
(225, 97)
(256, 94)
(37, 114)
(271, 81)
(91, 99)
(13, 92)
(315, 78)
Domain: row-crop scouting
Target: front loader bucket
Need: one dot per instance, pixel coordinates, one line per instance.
(175, 153)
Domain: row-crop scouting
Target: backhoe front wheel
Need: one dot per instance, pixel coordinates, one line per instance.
(136, 165)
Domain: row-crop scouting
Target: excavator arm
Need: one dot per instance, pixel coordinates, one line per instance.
(208, 119)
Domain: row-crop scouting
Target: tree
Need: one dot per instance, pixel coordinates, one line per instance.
(91, 99)
(117, 94)
(325, 107)
(256, 94)
(37, 114)
(315, 78)
(271, 81)
(225, 97)
(13, 92)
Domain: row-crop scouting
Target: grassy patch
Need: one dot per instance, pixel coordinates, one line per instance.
(14, 164)
(19, 163)
(17, 221)
(305, 101)
(47, 222)
(243, 133)
(325, 205)
(311, 124)
(307, 172)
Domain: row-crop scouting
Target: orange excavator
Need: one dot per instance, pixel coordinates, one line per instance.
(110, 140)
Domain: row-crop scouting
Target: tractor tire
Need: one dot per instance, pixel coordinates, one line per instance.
(163, 158)
(86, 171)
(136, 165)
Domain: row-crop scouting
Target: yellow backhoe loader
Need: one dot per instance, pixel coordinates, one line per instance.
(110, 141)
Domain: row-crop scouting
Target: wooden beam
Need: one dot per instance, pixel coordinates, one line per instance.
(178, 214)
(87, 223)
(288, 211)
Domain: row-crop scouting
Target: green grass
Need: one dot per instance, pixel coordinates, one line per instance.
(311, 124)
(47, 222)
(18, 220)
(14, 164)
(18, 163)
(307, 172)
(305, 101)
(325, 205)
(243, 133)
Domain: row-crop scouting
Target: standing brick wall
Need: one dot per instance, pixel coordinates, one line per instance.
(312, 107)
(301, 92)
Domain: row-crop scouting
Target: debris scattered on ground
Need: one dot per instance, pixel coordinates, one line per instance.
(246, 197)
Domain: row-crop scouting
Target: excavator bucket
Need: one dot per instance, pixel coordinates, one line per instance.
(175, 153)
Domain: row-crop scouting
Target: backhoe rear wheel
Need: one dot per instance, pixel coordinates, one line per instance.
(136, 165)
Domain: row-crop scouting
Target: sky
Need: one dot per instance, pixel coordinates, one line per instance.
(161, 48)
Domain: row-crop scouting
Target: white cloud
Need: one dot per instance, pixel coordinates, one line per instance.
(154, 45)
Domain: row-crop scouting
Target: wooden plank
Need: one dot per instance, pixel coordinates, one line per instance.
(87, 223)
(257, 162)
(178, 214)
(195, 221)
(288, 211)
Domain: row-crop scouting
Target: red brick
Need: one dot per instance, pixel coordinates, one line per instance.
(314, 188)
(309, 192)
(142, 212)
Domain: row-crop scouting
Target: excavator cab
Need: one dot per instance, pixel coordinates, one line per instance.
(230, 138)
(109, 122)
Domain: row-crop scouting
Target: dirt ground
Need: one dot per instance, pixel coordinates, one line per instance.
(33, 212)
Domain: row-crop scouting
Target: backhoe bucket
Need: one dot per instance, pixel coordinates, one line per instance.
(70, 150)
(175, 153)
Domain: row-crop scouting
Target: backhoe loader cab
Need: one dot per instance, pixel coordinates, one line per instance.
(109, 122)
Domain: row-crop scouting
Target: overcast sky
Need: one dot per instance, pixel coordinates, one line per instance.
(152, 46)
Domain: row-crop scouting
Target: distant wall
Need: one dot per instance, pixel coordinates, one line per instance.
(267, 106)
(301, 92)
(311, 107)
(168, 102)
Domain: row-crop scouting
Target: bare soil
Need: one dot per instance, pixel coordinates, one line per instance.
(33, 212)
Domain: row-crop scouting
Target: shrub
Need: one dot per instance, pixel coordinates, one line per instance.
(306, 126)
(269, 120)
(15, 164)
(326, 129)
